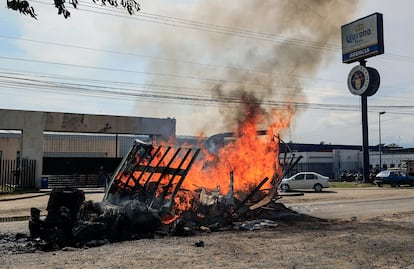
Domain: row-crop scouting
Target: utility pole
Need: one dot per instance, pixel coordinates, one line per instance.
(379, 134)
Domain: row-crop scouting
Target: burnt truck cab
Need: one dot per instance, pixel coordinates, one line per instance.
(393, 177)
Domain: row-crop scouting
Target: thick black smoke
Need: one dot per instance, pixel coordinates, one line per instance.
(237, 48)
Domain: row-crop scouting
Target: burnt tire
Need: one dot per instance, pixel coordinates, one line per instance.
(318, 187)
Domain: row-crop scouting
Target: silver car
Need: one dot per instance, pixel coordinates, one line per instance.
(305, 180)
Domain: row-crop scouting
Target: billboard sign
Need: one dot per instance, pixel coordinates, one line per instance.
(362, 38)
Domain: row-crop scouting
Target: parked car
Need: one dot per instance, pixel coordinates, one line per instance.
(305, 180)
(394, 177)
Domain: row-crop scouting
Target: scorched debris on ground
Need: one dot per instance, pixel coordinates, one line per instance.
(145, 198)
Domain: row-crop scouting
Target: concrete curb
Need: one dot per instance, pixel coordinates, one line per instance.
(23, 196)
(42, 192)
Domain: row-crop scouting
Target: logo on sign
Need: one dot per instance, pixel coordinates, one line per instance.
(362, 38)
(358, 80)
(363, 80)
(359, 34)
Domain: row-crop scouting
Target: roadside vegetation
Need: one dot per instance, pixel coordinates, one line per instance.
(350, 185)
(4, 192)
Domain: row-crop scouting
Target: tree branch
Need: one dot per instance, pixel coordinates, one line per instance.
(24, 7)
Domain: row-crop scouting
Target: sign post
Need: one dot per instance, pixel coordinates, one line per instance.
(362, 39)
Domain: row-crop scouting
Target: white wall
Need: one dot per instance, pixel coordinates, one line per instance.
(34, 123)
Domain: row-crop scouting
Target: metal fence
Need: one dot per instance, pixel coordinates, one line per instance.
(325, 169)
(88, 145)
(82, 159)
(17, 175)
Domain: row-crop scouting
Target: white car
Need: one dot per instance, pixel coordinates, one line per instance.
(305, 180)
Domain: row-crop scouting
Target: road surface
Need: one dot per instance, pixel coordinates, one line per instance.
(351, 203)
(332, 203)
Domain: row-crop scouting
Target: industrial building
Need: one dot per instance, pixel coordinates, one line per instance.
(30, 137)
(82, 149)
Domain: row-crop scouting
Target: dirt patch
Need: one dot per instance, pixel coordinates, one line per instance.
(384, 241)
(374, 243)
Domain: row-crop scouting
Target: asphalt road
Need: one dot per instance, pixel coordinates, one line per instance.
(350, 209)
(330, 204)
(351, 203)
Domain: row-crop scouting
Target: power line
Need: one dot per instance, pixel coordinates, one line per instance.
(197, 25)
(95, 91)
(232, 31)
(118, 88)
(191, 22)
(170, 76)
(156, 58)
(153, 86)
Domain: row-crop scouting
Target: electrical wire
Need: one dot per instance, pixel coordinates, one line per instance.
(122, 93)
(100, 91)
(197, 25)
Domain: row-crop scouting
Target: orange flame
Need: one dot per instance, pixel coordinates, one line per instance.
(249, 156)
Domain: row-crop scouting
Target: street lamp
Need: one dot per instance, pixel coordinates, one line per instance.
(379, 132)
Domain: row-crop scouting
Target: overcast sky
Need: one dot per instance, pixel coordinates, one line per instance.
(190, 60)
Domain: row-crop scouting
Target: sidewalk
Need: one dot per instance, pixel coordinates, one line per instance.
(20, 196)
(42, 192)
(18, 205)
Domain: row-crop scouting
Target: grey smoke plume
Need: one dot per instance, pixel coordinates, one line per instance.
(261, 49)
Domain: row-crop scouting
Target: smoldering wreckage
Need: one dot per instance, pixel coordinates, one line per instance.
(145, 199)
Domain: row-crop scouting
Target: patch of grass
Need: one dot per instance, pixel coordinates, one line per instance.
(5, 191)
(350, 185)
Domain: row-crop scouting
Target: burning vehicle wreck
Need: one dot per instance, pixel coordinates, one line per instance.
(148, 196)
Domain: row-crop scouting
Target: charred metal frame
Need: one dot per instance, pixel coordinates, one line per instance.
(173, 164)
(166, 162)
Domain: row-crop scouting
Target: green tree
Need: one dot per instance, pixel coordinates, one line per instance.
(25, 8)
